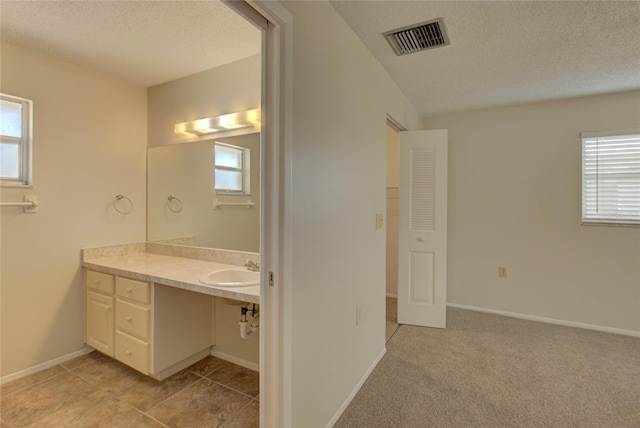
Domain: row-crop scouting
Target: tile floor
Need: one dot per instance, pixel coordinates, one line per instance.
(97, 391)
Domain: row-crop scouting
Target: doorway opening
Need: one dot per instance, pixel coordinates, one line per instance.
(392, 188)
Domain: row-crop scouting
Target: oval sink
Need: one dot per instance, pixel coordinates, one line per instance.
(231, 278)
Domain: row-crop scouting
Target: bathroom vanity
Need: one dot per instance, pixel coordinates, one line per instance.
(149, 310)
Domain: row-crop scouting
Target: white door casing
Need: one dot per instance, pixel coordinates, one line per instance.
(422, 248)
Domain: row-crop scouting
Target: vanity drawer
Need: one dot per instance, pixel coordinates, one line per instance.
(132, 289)
(132, 318)
(100, 281)
(132, 351)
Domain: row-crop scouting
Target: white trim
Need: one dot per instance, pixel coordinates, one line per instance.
(351, 396)
(45, 365)
(236, 360)
(275, 236)
(549, 320)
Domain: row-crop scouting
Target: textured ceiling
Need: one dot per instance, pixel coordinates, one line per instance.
(501, 53)
(505, 52)
(142, 42)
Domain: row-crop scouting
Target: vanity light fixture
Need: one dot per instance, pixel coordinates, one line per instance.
(226, 122)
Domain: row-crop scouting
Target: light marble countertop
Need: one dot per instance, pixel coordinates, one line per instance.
(176, 272)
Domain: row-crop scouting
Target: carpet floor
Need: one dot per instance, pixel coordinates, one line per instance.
(487, 370)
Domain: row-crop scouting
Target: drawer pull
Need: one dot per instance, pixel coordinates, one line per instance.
(128, 319)
(97, 281)
(127, 352)
(129, 290)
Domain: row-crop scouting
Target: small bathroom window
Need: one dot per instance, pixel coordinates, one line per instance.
(15, 140)
(231, 169)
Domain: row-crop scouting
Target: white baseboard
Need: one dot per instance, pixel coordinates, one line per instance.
(548, 320)
(45, 365)
(235, 360)
(351, 396)
(395, 296)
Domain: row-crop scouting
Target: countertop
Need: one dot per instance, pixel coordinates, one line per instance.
(172, 271)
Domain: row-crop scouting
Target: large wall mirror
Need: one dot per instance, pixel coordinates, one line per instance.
(183, 205)
(181, 197)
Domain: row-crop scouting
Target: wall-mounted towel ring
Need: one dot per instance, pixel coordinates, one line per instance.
(174, 204)
(126, 207)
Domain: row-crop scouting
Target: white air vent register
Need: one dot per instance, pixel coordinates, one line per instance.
(418, 37)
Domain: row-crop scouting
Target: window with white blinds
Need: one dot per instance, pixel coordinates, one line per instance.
(611, 178)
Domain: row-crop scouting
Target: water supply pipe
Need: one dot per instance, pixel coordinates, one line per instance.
(248, 329)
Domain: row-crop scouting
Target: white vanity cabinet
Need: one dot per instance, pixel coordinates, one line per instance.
(100, 311)
(155, 329)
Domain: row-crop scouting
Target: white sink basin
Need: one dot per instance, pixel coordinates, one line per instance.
(231, 278)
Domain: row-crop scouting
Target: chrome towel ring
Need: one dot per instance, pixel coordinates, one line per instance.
(125, 207)
(174, 204)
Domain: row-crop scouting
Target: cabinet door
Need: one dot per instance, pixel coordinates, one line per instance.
(100, 322)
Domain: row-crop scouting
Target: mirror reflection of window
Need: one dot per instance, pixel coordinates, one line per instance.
(231, 169)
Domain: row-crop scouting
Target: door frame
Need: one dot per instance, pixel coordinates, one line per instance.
(275, 227)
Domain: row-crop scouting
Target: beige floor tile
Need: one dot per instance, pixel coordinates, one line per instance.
(249, 417)
(204, 404)
(237, 377)
(144, 421)
(35, 402)
(99, 409)
(31, 379)
(206, 366)
(144, 392)
(83, 360)
(104, 372)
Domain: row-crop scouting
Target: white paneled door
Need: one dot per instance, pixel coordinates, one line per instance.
(422, 259)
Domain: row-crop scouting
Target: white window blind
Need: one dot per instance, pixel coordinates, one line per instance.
(611, 178)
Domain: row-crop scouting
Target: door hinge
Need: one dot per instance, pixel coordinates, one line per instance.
(270, 279)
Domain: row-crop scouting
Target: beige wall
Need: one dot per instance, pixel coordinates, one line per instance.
(515, 201)
(89, 145)
(341, 96)
(229, 345)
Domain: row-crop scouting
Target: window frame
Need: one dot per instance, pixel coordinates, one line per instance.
(603, 220)
(245, 153)
(25, 142)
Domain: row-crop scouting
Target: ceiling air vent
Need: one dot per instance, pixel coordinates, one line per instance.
(418, 37)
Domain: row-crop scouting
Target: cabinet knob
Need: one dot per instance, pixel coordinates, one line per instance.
(127, 352)
(97, 281)
(108, 308)
(128, 318)
(129, 290)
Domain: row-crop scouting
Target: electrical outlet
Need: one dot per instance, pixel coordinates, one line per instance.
(358, 315)
(379, 221)
(502, 272)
